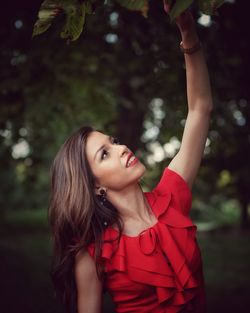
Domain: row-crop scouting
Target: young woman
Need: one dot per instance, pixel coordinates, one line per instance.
(111, 236)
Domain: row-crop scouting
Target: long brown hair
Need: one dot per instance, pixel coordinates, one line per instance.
(76, 215)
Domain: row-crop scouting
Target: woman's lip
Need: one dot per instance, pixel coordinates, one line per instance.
(129, 156)
(133, 162)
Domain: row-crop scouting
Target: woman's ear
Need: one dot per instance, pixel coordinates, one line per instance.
(99, 190)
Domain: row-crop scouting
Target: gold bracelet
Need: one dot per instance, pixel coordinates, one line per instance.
(192, 50)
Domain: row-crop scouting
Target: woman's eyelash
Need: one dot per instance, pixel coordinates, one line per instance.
(115, 140)
(105, 151)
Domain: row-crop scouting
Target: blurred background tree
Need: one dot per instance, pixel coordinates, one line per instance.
(125, 75)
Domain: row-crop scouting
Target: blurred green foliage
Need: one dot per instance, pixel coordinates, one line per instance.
(124, 75)
(75, 12)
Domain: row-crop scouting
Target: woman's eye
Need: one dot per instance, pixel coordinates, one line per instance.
(104, 152)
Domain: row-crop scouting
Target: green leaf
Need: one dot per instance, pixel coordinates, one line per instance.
(47, 13)
(75, 11)
(209, 6)
(88, 7)
(135, 5)
(179, 7)
(75, 18)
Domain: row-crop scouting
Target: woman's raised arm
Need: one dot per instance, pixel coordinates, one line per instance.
(187, 160)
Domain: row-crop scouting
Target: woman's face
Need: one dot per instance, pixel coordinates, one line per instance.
(108, 158)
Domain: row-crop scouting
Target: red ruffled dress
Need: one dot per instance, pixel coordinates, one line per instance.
(160, 270)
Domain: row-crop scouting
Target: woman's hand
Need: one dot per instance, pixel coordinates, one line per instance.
(186, 25)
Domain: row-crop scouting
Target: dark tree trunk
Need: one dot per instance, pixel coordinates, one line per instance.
(244, 214)
(131, 114)
(130, 126)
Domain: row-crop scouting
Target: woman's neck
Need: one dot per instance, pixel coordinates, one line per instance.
(131, 205)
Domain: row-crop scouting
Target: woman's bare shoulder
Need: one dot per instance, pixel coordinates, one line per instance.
(84, 263)
(89, 287)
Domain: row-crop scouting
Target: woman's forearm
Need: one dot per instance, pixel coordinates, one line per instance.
(197, 77)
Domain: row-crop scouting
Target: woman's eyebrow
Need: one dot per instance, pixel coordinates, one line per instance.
(110, 138)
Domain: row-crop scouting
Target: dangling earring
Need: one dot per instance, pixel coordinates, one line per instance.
(103, 194)
(105, 223)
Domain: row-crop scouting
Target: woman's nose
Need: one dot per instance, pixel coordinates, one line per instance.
(124, 150)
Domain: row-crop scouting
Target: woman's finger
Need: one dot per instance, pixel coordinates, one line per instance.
(166, 5)
(185, 21)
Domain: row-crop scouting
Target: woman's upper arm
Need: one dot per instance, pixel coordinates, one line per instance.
(187, 160)
(89, 287)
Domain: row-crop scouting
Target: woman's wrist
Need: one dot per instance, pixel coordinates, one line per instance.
(189, 39)
(190, 42)
(191, 50)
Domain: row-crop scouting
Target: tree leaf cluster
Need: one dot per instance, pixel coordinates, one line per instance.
(75, 12)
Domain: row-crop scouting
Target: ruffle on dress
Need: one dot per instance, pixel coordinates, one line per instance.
(166, 255)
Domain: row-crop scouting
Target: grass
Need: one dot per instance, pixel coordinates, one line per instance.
(226, 257)
(25, 253)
